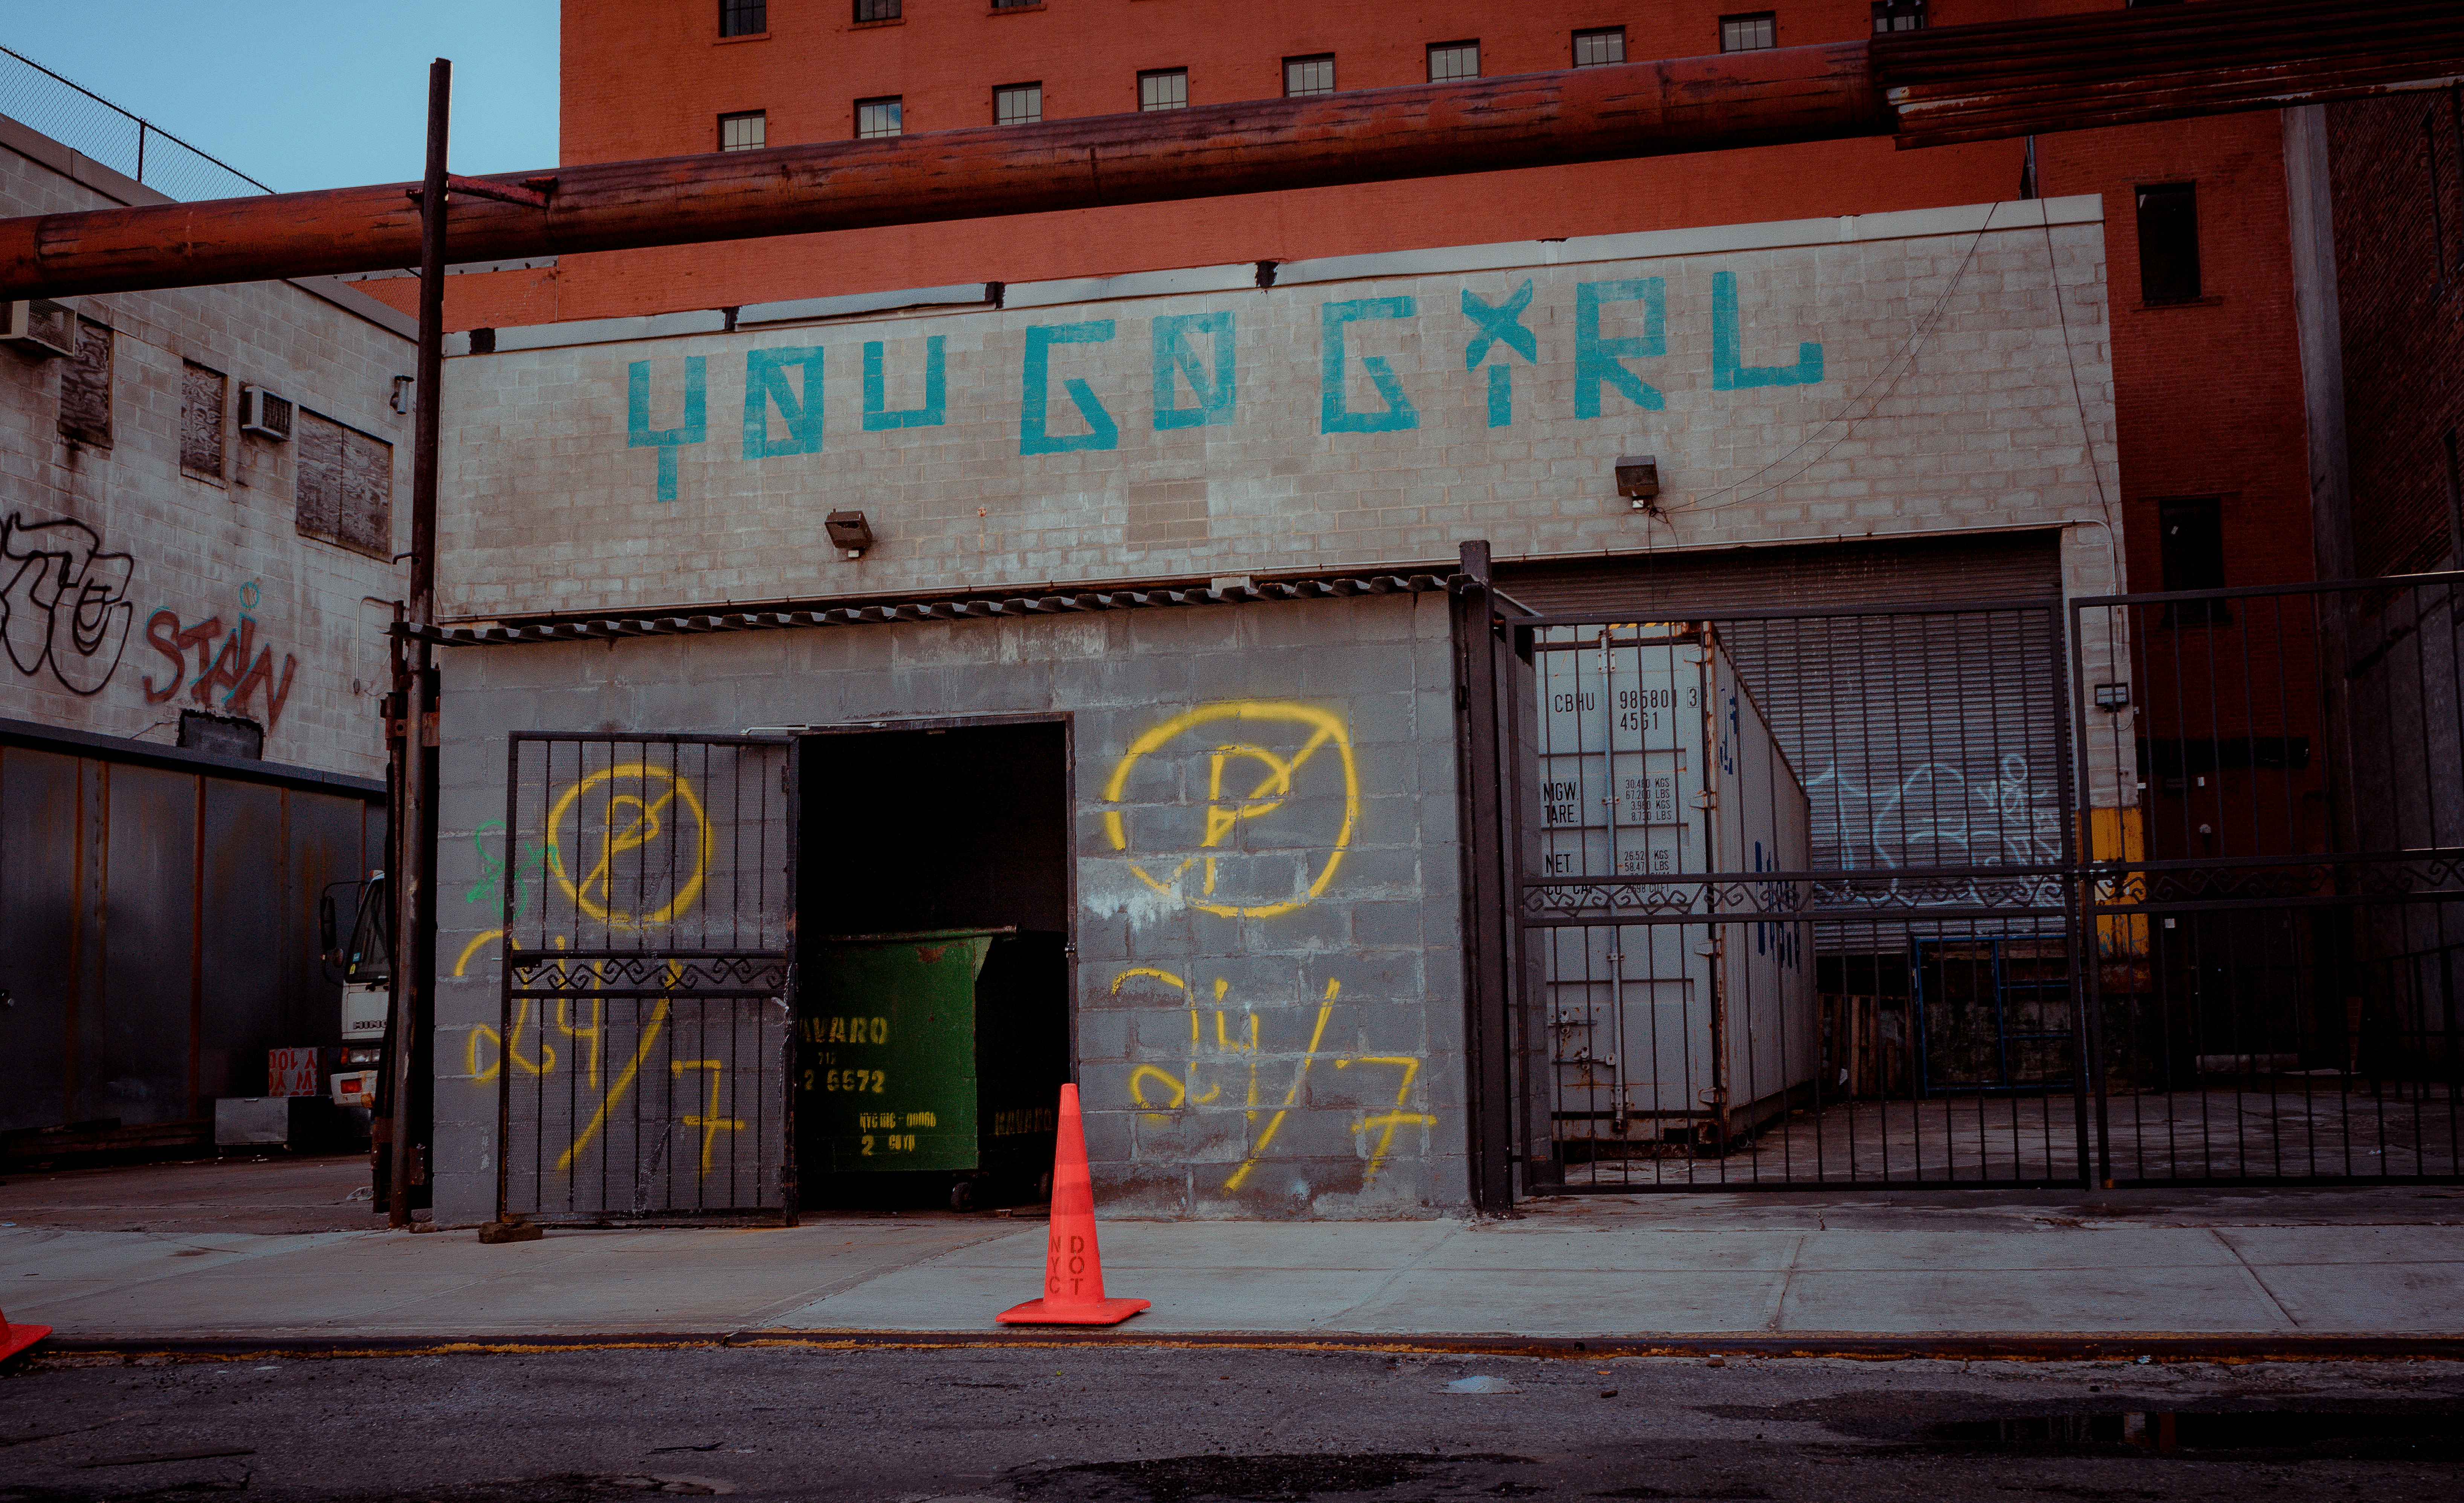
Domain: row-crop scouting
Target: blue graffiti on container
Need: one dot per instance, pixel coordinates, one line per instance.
(1727, 374)
(1033, 438)
(1335, 417)
(1771, 897)
(1598, 358)
(766, 385)
(1501, 323)
(696, 428)
(1176, 357)
(879, 416)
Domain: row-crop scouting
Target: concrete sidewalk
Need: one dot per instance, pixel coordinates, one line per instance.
(2287, 1264)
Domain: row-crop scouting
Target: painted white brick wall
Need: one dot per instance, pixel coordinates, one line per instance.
(193, 548)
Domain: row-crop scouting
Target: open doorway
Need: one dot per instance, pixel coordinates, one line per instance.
(933, 923)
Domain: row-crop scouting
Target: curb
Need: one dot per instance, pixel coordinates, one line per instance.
(2030, 1347)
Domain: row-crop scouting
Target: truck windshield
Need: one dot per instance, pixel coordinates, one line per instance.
(368, 961)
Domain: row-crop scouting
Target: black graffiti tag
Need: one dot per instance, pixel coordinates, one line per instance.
(65, 602)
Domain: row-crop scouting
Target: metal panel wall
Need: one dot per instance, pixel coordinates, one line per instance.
(136, 1065)
(43, 915)
(158, 933)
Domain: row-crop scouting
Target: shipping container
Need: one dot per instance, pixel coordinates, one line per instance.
(1682, 1005)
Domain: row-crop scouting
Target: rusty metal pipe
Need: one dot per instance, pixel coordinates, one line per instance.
(1476, 126)
(1924, 88)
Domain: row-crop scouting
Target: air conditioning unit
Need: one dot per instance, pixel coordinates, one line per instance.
(39, 326)
(264, 414)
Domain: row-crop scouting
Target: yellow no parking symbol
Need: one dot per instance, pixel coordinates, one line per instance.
(643, 839)
(1262, 760)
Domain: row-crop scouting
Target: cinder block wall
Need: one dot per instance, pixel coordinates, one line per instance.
(151, 549)
(1287, 1045)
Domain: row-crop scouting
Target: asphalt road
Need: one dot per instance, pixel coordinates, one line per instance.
(1169, 1425)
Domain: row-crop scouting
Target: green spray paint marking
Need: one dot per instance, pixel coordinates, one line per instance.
(528, 869)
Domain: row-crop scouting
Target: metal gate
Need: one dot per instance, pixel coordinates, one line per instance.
(649, 979)
(2135, 889)
(1794, 905)
(2277, 900)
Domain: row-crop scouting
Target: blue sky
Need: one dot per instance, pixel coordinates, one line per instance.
(303, 95)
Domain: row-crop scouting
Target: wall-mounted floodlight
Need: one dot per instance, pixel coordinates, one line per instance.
(405, 389)
(849, 531)
(2112, 697)
(1638, 479)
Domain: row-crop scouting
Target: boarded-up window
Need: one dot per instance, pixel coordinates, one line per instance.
(85, 386)
(345, 485)
(202, 394)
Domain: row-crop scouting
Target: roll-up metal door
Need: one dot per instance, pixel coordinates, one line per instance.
(2002, 565)
(1931, 740)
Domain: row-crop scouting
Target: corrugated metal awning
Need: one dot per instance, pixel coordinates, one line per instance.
(611, 628)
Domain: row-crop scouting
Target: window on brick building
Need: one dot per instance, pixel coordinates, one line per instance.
(1018, 5)
(749, 131)
(1599, 46)
(1308, 76)
(2191, 539)
(1451, 61)
(877, 118)
(1899, 15)
(1746, 33)
(1018, 104)
(2168, 242)
(85, 386)
(743, 17)
(877, 10)
(1163, 89)
(344, 485)
(203, 395)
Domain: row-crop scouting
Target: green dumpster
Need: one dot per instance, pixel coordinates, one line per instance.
(940, 1053)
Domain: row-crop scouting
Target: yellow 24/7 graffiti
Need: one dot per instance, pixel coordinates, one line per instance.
(1184, 1094)
(1225, 813)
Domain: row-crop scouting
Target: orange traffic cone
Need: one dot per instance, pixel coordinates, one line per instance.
(14, 1340)
(1073, 1269)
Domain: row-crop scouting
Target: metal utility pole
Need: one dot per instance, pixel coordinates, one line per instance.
(413, 733)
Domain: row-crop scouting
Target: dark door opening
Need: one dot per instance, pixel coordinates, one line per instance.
(933, 924)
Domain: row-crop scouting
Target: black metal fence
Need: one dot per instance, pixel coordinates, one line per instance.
(648, 986)
(2275, 904)
(2129, 890)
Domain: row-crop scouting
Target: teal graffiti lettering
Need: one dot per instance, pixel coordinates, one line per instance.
(766, 384)
(1335, 417)
(1727, 374)
(1504, 323)
(1036, 396)
(640, 434)
(1597, 360)
(1175, 356)
(879, 416)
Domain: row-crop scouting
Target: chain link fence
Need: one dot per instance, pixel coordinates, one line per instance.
(92, 125)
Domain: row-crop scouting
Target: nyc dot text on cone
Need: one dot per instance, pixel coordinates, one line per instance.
(1073, 1269)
